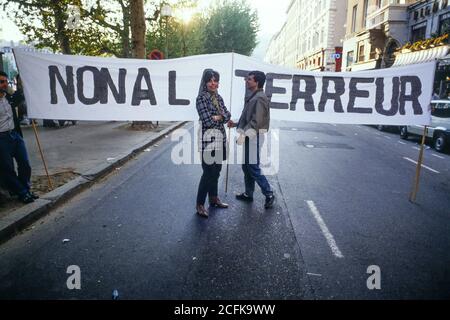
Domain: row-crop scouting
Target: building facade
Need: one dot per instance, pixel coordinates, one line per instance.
(311, 37)
(375, 29)
(428, 38)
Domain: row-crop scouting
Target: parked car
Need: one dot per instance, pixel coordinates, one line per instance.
(383, 127)
(439, 130)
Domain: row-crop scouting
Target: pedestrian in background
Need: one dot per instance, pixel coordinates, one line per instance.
(212, 145)
(253, 124)
(18, 100)
(12, 147)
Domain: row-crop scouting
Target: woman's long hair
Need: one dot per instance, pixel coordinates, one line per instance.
(208, 74)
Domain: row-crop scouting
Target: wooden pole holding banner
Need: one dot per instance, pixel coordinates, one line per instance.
(413, 194)
(229, 129)
(50, 185)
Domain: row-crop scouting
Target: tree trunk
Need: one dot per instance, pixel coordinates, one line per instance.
(138, 28)
(61, 32)
(126, 50)
(138, 44)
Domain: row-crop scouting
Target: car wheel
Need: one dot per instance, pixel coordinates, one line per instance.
(404, 132)
(440, 143)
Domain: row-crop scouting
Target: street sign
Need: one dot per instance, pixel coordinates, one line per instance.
(336, 55)
(155, 55)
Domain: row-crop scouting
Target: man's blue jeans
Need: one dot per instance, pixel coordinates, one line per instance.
(251, 169)
(13, 147)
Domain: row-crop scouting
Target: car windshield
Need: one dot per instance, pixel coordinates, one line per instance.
(441, 110)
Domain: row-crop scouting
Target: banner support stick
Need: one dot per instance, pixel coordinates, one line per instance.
(42, 155)
(229, 129)
(413, 194)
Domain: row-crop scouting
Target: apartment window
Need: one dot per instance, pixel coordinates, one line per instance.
(355, 8)
(444, 24)
(378, 3)
(350, 59)
(361, 50)
(418, 32)
(365, 9)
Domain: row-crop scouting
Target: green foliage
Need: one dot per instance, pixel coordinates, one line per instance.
(183, 38)
(104, 27)
(44, 23)
(231, 26)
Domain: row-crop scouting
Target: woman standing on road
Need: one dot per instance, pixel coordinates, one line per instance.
(213, 115)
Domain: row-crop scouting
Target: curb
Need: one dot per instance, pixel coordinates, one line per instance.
(28, 214)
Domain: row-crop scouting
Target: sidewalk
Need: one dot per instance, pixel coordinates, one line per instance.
(76, 156)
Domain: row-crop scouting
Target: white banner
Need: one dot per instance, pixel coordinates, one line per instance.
(92, 88)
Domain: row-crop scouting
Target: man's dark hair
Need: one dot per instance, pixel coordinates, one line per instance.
(3, 74)
(259, 77)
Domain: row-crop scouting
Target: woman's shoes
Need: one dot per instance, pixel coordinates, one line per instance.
(216, 203)
(201, 211)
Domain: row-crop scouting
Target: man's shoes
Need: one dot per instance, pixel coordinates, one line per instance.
(216, 203)
(27, 198)
(244, 197)
(34, 195)
(201, 211)
(269, 201)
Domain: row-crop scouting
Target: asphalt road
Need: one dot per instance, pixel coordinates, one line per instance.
(342, 206)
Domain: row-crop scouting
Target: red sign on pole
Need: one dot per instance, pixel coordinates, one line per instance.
(155, 55)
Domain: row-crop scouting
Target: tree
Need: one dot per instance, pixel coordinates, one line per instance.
(231, 26)
(45, 24)
(185, 38)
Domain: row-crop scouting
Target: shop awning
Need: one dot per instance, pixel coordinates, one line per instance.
(445, 61)
(403, 59)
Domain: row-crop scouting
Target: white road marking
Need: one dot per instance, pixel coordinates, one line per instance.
(423, 166)
(416, 148)
(328, 236)
(387, 137)
(401, 142)
(275, 135)
(313, 274)
(435, 155)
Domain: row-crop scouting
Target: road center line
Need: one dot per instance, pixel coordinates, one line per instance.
(323, 227)
(435, 155)
(424, 166)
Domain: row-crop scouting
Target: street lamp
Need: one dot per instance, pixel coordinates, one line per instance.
(166, 11)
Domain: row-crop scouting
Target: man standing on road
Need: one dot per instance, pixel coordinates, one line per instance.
(252, 125)
(13, 147)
